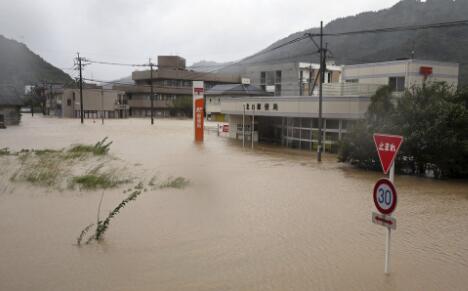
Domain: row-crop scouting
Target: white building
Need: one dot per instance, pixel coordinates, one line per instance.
(292, 120)
(402, 74)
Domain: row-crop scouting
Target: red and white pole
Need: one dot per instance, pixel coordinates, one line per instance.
(198, 110)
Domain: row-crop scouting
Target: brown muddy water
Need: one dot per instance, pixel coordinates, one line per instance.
(268, 219)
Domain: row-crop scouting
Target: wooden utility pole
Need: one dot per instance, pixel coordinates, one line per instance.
(102, 105)
(322, 76)
(81, 88)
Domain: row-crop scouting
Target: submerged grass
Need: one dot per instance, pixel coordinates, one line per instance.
(99, 149)
(5, 152)
(178, 183)
(49, 167)
(98, 179)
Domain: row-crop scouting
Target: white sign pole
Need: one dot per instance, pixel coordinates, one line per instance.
(243, 127)
(389, 231)
(253, 125)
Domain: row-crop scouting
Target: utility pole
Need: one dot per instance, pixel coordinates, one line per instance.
(322, 76)
(51, 96)
(102, 104)
(81, 87)
(151, 96)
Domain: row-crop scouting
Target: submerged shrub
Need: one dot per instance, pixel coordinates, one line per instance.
(99, 149)
(178, 183)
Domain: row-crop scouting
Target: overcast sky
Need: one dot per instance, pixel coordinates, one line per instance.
(133, 31)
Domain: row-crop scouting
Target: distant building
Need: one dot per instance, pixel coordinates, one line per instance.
(97, 102)
(402, 74)
(172, 85)
(10, 106)
(291, 78)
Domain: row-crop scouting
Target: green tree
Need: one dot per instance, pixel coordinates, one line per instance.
(182, 104)
(358, 147)
(433, 120)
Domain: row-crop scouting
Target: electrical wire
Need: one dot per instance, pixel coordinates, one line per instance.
(118, 64)
(400, 28)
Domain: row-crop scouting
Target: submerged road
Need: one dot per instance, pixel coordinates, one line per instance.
(268, 219)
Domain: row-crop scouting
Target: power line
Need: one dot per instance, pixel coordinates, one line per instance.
(118, 64)
(400, 28)
(379, 30)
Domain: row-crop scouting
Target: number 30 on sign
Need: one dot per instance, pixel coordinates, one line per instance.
(385, 196)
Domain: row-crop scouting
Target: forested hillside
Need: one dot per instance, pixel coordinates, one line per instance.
(443, 44)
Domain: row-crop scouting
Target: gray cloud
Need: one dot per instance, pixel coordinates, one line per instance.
(132, 31)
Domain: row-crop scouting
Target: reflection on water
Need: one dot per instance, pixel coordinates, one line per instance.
(268, 219)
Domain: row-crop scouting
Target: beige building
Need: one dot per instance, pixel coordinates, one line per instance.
(291, 78)
(402, 74)
(292, 120)
(97, 103)
(172, 85)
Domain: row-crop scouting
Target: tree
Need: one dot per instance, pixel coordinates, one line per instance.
(182, 104)
(433, 119)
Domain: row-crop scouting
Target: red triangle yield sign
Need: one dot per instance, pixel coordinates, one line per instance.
(387, 147)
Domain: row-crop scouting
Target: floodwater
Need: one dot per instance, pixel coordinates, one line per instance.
(268, 219)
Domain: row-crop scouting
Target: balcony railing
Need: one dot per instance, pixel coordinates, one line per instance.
(348, 89)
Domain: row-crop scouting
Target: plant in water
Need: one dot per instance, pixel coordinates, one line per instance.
(99, 149)
(103, 225)
(4, 152)
(97, 179)
(178, 183)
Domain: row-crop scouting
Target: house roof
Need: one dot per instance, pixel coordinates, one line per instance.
(9, 96)
(237, 89)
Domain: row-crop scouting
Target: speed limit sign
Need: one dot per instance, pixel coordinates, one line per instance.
(385, 196)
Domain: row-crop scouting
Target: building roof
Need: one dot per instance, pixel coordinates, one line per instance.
(9, 96)
(237, 89)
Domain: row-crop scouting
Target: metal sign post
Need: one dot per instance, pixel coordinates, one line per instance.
(391, 177)
(385, 195)
(243, 127)
(253, 124)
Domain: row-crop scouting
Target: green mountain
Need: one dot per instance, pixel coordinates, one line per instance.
(442, 44)
(19, 66)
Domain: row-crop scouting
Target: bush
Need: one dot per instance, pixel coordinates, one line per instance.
(433, 120)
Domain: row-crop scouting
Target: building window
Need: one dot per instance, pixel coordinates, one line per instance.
(397, 84)
(247, 106)
(259, 106)
(262, 77)
(328, 77)
(69, 102)
(277, 90)
(278, 77)
(267, 106)
(275, 106)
